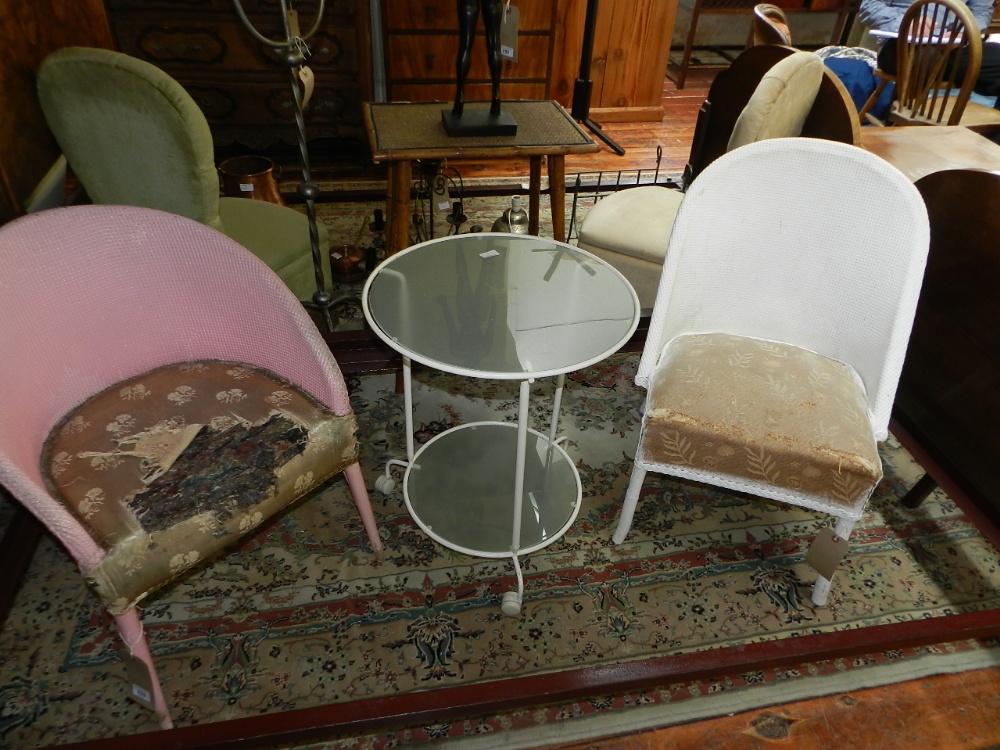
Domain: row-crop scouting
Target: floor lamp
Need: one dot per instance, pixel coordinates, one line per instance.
(294, 49)
(584, 86)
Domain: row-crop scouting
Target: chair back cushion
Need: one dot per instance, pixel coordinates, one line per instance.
(130, 132)
(781, 102)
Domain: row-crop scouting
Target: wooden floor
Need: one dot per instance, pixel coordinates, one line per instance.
(947, 711)
(943, 712)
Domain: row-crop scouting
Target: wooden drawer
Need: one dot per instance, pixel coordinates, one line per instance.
(423, 57)
(163, 41)
(441, 15)
(241, 84)
(420, 40)
(260, 8)
(474, 92)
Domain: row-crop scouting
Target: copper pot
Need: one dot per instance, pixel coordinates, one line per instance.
(347, 264)
(250, 177)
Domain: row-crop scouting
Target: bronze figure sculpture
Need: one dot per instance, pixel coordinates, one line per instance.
(458, 121)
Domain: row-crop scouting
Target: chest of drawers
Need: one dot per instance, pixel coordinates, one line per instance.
(240, 84)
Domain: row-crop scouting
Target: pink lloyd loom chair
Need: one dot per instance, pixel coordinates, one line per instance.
(779, 329)
(136, 344)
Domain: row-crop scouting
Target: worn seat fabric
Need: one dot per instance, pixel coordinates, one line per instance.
(762, 411)
(173, 465)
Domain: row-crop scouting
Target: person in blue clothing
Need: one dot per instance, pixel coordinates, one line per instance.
(886, 15)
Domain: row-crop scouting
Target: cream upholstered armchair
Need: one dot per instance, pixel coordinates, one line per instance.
(163, 394)
(780, 326)
(134, 137)
(629, 229)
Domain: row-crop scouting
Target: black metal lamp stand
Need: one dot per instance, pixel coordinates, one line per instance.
(293, 48)
(584, 85)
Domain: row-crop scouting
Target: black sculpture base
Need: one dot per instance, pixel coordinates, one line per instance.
(478, 122)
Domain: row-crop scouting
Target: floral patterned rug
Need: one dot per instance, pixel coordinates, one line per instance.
(304, 615)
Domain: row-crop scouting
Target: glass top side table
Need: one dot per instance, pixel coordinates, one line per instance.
(496, 306)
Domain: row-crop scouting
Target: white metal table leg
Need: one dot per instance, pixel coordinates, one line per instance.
(556, 403)
(385, 483)
(408, 406)
(512, 600)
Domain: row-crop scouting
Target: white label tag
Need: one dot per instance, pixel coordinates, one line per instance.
(508, 33)
(246, 187)
(142, 685)
(826, 552)
(308, 83)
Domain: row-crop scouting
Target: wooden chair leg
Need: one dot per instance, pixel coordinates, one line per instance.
(864, 115)
(16, 551)
(919, 492)
(688, 47)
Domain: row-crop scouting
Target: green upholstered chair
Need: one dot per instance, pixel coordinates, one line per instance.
(133, 136)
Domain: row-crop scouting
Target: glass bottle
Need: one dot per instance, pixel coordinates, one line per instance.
(514, 219)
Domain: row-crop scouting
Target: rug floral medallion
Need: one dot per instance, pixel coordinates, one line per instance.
(305, 615)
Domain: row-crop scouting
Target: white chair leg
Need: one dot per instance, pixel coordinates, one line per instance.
(821, 589)
(356, 484)
(628, 505)
(131, 633)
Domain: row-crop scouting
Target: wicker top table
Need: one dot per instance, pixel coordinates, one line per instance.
(400, 133)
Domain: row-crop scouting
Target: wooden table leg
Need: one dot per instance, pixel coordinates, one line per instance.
(16, 551)
(557, 195)
(397, 200)
(534, 194)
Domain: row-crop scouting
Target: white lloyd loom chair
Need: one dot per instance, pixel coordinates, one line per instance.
(162, 394)
(780, 326)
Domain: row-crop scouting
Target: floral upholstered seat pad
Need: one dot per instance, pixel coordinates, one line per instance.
(765, 412)
(169, 467)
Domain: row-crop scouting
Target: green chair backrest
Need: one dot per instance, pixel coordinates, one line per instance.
(130, 132)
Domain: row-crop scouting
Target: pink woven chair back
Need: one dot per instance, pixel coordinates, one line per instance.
(91, 295)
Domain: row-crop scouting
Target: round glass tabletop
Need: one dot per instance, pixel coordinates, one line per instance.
(502, 306)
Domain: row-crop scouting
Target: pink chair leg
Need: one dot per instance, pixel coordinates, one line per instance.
(356, 483)
(130, 630)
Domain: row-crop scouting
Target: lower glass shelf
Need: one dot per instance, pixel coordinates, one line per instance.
(460, 489)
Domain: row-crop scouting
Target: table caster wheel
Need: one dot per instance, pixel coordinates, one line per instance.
(511, 604)
(385, 484)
